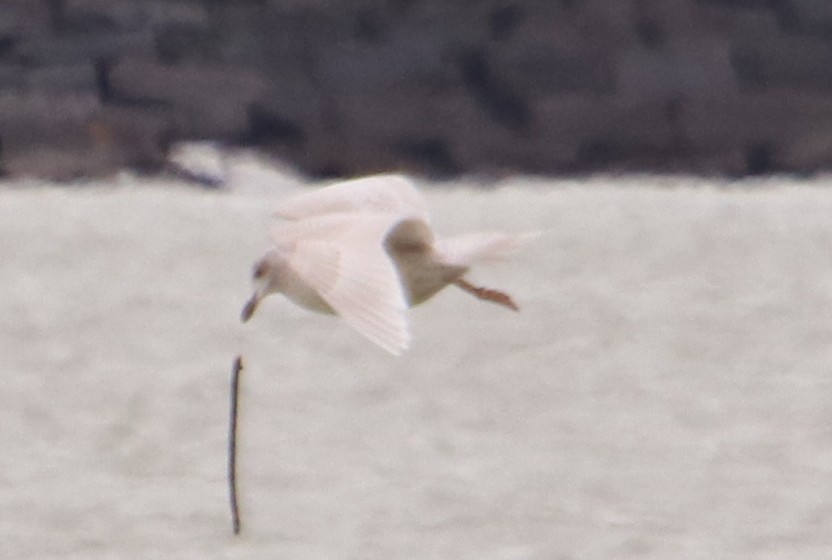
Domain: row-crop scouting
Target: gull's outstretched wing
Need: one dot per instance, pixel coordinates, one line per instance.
(481, 248)
(342, 257)
(387, 194)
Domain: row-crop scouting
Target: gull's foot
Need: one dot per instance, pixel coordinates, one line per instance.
(496, 296)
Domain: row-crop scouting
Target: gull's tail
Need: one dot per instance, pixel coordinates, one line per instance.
(481, 248)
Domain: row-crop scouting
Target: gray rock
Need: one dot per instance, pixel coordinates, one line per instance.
(62, 78)
(22, 18)
(814, 16)
(739, 24)
(84, 47)
(408, 63)
(698, 67)
(798, 61)
(128, 14)
(208, 101)
(776, 118)
(11, 77)
(355, 86)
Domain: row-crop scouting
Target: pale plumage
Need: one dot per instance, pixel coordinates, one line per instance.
(364, 250)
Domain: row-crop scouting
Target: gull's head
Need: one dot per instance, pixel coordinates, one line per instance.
(265, 279)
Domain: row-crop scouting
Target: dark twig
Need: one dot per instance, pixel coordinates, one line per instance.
(232, 444)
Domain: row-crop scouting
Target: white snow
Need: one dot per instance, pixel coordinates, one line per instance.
(665, 392)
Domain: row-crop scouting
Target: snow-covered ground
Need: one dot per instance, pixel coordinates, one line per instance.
(666, 391)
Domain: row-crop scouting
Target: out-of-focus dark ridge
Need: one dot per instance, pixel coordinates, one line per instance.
(343, 87)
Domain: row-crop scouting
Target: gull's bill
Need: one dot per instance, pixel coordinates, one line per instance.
(250, 307)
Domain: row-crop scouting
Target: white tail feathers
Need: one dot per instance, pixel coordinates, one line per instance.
(481, 248)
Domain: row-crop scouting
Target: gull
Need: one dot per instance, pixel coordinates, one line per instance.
(364, 250)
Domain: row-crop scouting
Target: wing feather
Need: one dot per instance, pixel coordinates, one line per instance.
(386, 194)
(342, 257)
(481, 248)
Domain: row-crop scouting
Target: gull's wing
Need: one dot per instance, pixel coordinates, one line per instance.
(342, 257)
(480, 248)
(388, 194)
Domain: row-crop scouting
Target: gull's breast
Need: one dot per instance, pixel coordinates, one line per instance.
(301, 293)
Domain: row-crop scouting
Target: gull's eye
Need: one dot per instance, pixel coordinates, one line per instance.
(259, 270)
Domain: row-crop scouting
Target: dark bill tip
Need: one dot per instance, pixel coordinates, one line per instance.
(248, 309)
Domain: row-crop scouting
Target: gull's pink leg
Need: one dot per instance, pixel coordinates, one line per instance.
(500, 298)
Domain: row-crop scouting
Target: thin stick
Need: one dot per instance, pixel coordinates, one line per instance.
(232, 444)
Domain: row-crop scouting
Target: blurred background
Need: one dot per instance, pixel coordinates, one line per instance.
(346, 87)
(664, 393)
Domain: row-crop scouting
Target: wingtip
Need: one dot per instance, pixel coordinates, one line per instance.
(396, 345)
(396, 348)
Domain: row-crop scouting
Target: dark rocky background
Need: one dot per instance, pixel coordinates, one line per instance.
(342, 87)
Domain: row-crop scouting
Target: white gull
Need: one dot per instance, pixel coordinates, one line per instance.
(364, 250)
